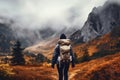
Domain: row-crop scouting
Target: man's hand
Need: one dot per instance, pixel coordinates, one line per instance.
(52, 66)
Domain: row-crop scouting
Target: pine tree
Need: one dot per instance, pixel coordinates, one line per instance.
(18, 58)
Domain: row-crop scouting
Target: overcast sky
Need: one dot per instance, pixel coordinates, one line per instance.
(57, 13)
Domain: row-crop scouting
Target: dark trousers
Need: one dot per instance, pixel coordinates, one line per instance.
(63, 68)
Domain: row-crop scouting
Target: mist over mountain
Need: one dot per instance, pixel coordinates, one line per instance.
(9, 33)
(36, 20)
(32, 22)
(100, 21)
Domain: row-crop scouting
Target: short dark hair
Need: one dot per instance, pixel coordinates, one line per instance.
(63, 36)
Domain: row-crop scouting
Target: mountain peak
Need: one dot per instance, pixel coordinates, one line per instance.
(100, 21)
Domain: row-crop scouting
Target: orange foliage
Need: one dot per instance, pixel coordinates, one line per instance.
(105, 42)
(106, 68)
(33, 73)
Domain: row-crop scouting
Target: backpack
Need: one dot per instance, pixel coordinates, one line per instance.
(64, 47)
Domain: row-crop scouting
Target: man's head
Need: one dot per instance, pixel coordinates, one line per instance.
(63, 36)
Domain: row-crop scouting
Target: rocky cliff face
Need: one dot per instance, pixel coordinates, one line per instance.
(100, 21)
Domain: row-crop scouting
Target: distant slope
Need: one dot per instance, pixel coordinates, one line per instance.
(45, 47)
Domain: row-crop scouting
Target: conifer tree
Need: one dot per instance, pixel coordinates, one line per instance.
(18, 58)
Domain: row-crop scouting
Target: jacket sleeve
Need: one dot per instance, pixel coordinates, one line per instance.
(55, 55)
(73, 57)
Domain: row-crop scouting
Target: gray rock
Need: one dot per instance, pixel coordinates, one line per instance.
(100, 21)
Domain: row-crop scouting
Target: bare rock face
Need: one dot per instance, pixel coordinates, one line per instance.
(100, 21)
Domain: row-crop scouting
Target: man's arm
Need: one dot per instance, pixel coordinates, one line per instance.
(73, 57)
(55, 55)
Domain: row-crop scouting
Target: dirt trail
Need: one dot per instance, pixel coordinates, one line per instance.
(72, 74)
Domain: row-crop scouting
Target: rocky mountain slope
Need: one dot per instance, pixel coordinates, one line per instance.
(100, 21)
(6, 38)
(107, 44)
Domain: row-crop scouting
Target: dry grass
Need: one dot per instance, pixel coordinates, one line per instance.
(106, 42)
(45, 47)
(6, 71)
(106, 68)
(34, 73)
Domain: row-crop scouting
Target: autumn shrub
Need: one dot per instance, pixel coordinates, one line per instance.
(83, 58)
(6, 72)
(102, 53)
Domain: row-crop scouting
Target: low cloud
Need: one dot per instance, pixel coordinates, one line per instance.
(34, 14)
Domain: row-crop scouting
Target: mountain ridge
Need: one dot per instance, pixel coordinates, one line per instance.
(100, 21)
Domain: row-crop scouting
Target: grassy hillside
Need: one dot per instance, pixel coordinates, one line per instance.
(45, 48)
(105, 45)
(106, 68)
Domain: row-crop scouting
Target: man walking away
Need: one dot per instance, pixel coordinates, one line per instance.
(63, 56)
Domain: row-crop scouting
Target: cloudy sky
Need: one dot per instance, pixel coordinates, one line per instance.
(41, 13)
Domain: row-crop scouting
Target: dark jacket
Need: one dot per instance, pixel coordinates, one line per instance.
(57, 53)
